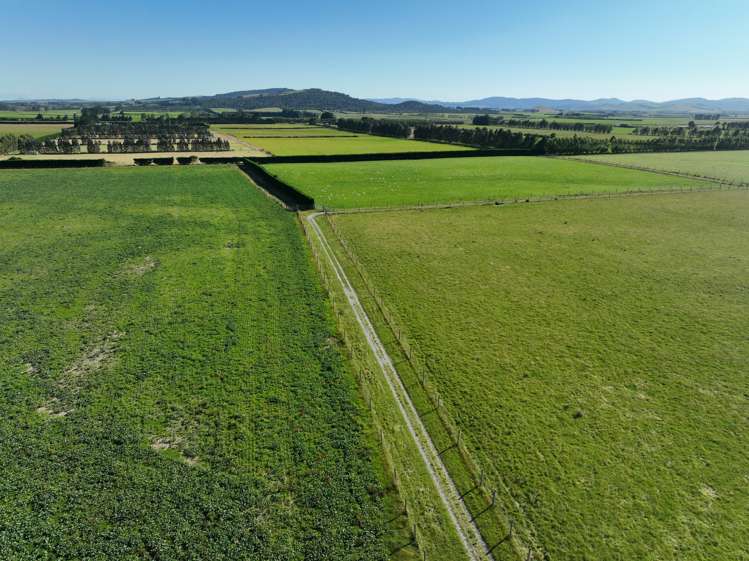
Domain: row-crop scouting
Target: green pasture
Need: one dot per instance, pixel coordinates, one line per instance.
(593, 354)
(361, 144)
(420, 182)
(730, 166)
(251, 134)
(31, 115)
(36, 130)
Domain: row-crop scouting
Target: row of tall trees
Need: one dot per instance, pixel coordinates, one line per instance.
(29, 145)
(615, 145)
(718, 138)
(486, 120)
(9, 142)
(722, 134)
(381, 127)
(263, 117)
(480, 137)
(173, 128)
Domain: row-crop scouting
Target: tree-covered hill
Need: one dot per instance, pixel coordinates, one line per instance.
(312, 98)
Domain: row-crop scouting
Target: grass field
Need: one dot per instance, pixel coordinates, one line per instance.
(261, 132)
(594, 354)
(730, 166)
(362, 144)
(23, 115)
(170, 386)
(296, 139)
(397, 183)
(35, 130)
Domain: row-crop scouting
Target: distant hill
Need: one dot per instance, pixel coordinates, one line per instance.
(689, 105)
(313, 98)
(255, 93)
(325, 100)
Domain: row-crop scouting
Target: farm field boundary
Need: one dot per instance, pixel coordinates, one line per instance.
(36, 164)
(384, 156)
(286, 194)
(539, 199)
(495, 512)
(589, 160)
(305, 136)
(427, 521)
(462, 519)
(35, 122)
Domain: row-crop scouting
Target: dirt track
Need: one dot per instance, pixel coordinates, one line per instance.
(474, 545)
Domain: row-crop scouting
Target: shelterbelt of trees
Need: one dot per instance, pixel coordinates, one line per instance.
(486, 120)
(95, 130)
(122, 129)
(126, 146)
(483, 137)
(733, 128)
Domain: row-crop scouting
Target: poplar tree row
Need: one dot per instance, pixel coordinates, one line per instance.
(114, 129)
(717, 138)
(29, 145)
(486, 120)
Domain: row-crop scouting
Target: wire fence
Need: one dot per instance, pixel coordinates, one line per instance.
(519, 529)
(723, 186)
(521, 532)
(366, 379)
(722, 181)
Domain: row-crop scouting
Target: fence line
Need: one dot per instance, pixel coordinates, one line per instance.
(588, 159)
(419, 364)
(721, 186)
(365, 377)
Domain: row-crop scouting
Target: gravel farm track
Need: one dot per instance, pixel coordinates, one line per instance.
(474, 545)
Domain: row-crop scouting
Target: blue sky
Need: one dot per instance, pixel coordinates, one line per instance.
(659, 49)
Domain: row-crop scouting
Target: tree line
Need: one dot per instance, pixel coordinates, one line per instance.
(10, 142)
(501, 138)
(487, 120)
(29, 145)
(151, 128)
(722, 134)
(254, 117)
(380, 127)
(706, 116)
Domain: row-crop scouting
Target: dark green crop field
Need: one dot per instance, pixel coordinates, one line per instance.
(416, 182)
(170, 387)
(594, 354)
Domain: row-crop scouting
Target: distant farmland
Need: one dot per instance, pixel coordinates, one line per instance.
(395, 183)
(729, 165)
(32, 115)
(36, 130)
(250, 133)
(594, 355)
(170, 383)
(335, 141)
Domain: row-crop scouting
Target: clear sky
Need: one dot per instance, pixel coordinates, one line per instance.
(430, 49)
